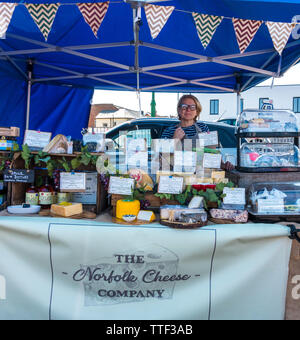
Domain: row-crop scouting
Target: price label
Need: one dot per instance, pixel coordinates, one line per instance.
(72, 181)
(209, 138)
(212, 161)
(36, 140)
(120, 186)
(170, 185)
(234, 196)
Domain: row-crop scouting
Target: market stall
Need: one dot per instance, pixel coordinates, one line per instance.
(176, 206)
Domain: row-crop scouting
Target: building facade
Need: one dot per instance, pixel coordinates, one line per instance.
(220, 106)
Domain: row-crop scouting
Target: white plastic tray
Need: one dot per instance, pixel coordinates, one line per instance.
(18, 209)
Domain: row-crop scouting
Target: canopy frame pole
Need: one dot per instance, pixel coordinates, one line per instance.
(136, 8)
(29, 83)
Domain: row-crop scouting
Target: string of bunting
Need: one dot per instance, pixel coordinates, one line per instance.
(157, 17)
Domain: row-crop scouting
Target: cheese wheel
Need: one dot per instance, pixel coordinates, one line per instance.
(127, 207)
(142, 179)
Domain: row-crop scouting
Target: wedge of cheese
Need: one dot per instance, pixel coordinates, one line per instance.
(66, 209)
(146, 215)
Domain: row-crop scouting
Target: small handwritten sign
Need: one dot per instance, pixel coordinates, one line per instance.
(170, 185)
(72, 181)
(212, 161)
(18, 175)
(209, 138)
(234, 196)
(121, 186)
(36, 140)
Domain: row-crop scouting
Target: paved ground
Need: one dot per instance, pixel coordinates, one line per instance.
(292, 311)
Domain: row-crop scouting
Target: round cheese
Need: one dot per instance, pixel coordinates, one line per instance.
(127, 207)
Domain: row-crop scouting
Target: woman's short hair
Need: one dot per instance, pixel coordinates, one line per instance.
(197, 103)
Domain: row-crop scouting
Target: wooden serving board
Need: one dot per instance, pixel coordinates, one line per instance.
(179, 225)
(84, 214)
(135, 222)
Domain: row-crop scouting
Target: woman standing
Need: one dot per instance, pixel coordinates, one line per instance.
(189, 109)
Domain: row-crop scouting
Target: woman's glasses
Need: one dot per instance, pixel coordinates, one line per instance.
(186, 107)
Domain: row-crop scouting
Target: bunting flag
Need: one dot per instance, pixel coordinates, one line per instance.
(6, 12)
(206, 26)
(245, 31)
(157, 16)
(93, 14)
(280, 33)
(43, 15)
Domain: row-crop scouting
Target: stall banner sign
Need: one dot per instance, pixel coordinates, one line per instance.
(63, 269)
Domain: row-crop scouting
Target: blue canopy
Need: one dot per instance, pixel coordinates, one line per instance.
(65, 68)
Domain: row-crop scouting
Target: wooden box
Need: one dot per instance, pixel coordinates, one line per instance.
(10, 132)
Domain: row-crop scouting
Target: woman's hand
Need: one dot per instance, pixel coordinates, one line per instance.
(179, 133)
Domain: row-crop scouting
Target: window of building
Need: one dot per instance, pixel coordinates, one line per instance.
(261, 101)
(296, 104)
(214, 106)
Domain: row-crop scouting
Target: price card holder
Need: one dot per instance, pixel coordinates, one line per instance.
(209, 138)
(212, 161)
(72, 181)
(234, 196)
(170, 185)
(36, 140)
(120, 186)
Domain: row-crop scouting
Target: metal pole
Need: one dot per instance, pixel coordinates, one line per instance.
(29, 83)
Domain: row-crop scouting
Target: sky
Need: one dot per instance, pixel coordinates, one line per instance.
(166, 102)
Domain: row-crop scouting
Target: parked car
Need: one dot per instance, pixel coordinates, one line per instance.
(152, 128)
(229, 121)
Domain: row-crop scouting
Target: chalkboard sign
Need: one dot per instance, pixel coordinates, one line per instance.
(18, 175)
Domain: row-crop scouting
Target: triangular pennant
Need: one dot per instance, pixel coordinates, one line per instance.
(6, 12)
(93, 14)
(206, 26)
(43, 15)
(157, 16)
(280, 33)
(245, 31)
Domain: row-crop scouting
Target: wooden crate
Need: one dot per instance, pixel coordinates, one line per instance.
(18, 190)
(10, 132)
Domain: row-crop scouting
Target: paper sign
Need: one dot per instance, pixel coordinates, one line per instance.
(37, 139)
(170, 185)
(163, 145)
(270, 205)
(89, 196)
(212, 161)
(186, 160)
(137, 160)
(234, 196)
(120, 186)
(209, 138)
(72, 181)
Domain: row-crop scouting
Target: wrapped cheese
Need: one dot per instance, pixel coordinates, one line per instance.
(66, 209)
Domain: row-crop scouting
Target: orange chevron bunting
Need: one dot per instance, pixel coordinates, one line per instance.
(6, 12)
(157, 16)
(245, 31)
(93, 14)
(280, 33)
